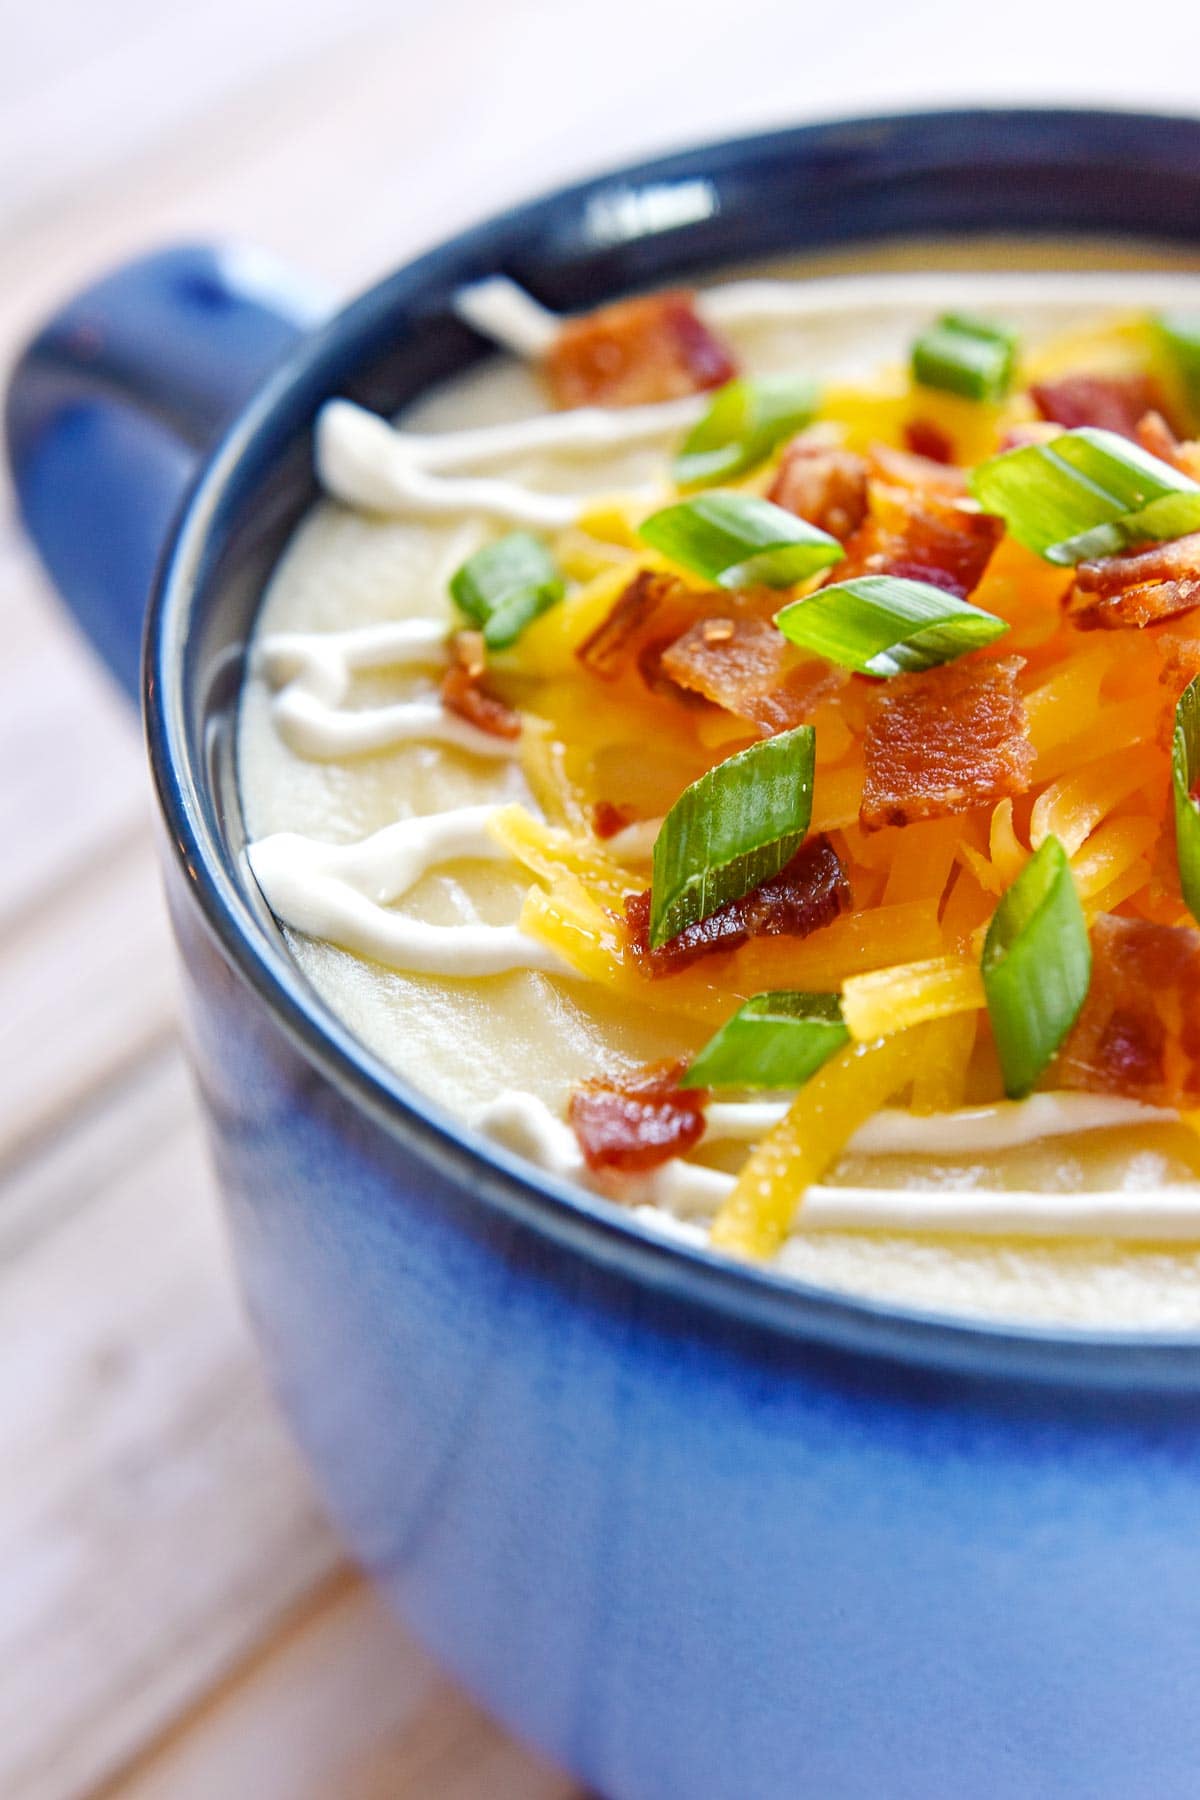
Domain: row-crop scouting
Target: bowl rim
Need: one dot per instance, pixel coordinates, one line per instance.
(586, 1224)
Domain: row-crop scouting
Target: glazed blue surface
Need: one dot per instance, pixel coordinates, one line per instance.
(694, 1531)
(116, 401)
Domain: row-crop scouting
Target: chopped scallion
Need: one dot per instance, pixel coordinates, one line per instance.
(734, 828)
(772, 1041)
(1087, 493)
(1185, 774)
(887, 625)
(1036, 966)
(967, 356)
(505, 586)
(745, 422)
(738, 540)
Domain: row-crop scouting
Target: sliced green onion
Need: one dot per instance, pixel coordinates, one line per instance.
(1037, 962)
(1180, 333)
(773, 1041)
(738, 540)
(1185, 775)
(505, 586)
(745, 422)
(962, 355)
(1087, 493)
(886, 625)
(734, 828)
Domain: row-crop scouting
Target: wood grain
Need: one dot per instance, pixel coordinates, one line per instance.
(343, 1704)
(176, 1617)
(153, 1522)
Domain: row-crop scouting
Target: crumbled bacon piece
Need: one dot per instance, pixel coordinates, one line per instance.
(464, 693)
(637, 352)
(1180, 666)
(651, 662)
(1181, 661)
(608, 819)
(1177, 558)
(1139, 588)
(929, 441)
(638, 1122)
(748, 667)
(809, 892)
(1139, 1032)
(1029, 431)
(1135, 608)
(1157, 439)
(924, 474)
(607, 649)
(1109, 402)
(823, 484)
(945, 741)
(930, 538)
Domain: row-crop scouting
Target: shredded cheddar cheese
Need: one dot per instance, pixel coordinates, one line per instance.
(828, 1110)
(904, 954)
(892, 999)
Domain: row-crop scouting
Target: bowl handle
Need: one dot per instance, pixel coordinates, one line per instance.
(113, 405)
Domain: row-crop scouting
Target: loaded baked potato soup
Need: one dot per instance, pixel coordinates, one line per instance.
(740, 751)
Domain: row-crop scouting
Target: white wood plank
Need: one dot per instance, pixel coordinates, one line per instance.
(86, 990)
(73, 742)
(343, 1707)
(396, 130)
(122, 76)
(154, 1522)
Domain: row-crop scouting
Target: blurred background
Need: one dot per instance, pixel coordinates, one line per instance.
(175, 1617)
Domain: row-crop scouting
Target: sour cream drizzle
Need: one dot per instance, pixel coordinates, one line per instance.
(679, 1195)
(312, 672)
(365, 462)
(503, 311)
(968, 1131)
(343, 893)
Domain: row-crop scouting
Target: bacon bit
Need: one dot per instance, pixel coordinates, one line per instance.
(636, 353)
(607, 650)
(808, 893)
(464, 693)
(650, 616)
(1176, 559)
(608, 819)
(748, 667)
(822, 484)
(1180, 666)
(945, 741)
(637, 1122)
(1139, 1032)
(1137, 607)
(935, 540)
(654, 674)
(1029, 431)
(1157, 439)
(1181, 660)
(927, 440)
(1110, 402)
(1139, 588)
(924, 474)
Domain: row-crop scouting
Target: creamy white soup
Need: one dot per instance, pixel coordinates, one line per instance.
(372, 805)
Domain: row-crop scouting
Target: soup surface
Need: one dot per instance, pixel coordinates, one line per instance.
(1081, 1208)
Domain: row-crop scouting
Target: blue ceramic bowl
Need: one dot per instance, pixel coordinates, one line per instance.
(698, 1533)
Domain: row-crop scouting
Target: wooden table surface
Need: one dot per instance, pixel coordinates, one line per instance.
(176, 1618)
